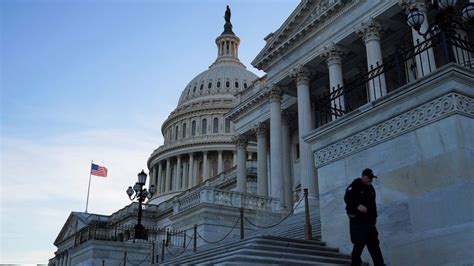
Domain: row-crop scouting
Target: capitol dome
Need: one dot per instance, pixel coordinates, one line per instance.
(198, 141)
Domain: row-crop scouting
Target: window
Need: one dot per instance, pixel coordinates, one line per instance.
(218, 84)
(215, 125)
(236, 84)
(245, 85)
(227, 125)
(202, 87)
(227, 164)
(194, 90)
(214, 167)
(184, 131)
(193, 128)
(176, 133)
(227, 84)
(204, 127)
(209, 85)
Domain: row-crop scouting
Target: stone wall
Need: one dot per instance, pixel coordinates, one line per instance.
(423, 153)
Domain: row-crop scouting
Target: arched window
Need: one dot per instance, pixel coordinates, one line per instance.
(184, 130)
(227, 164)
(204, 127)
(193, 128)
(245, 85)
(215, 125)
(227, 125)
(194, 90)
(218, 84)
(227, 84)
(209, 85)
(202, 87)
(214, 167)
(236, 84)
(176, 133)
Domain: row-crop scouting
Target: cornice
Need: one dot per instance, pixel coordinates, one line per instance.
(435, 110)
(248, 103)
(281, 44)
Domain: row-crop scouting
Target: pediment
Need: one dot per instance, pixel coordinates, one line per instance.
(308, 16)
(73, 224)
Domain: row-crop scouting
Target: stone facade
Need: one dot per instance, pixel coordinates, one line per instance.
(337, 97)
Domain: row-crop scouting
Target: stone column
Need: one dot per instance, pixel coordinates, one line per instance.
(184, 185)
(333, 54)
(370, 32)
(261, 131)
(61, 260)
(234, 158)
(160, 178)
(276, 155)
(287, 178)
(425, 61)
(241, 147)
(178, 173)
(191, 171)
(220, 165)
(307, 169)
(168, 175)
(205, 166)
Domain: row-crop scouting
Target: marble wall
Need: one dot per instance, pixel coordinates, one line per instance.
(425, 194)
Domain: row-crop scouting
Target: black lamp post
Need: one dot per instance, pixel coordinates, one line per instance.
(140, 194)
(449, 17)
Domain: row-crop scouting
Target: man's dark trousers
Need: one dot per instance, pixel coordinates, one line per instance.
(364, 233)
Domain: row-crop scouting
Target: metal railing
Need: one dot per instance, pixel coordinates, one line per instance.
(401, 68)
(126, 233)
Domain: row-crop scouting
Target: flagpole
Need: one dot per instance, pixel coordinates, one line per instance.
(89, 187)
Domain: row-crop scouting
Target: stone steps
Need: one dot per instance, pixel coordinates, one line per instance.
(266, 249)
(282, 244)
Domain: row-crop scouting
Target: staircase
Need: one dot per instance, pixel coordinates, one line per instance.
(282, 244)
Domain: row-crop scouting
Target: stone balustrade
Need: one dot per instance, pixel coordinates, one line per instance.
(210, 195)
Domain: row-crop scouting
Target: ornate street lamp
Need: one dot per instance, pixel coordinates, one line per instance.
(449, 17)
(140, 194)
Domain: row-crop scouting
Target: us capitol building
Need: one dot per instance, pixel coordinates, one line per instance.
(387, 85)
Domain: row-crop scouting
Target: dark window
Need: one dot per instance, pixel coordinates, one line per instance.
(236, 84)
(204, 127)
(193, 128)
(202, 87)
(184, 130)
(227, 125)
(176, 133)
(297, 151)
(227, 84)
(215, 125)
(209, 85)
(245, 85)
(218, 84)
(194, 90)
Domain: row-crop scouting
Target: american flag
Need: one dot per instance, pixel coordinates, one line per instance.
(98, 170)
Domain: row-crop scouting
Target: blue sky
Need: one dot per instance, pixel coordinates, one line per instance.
(93, 80)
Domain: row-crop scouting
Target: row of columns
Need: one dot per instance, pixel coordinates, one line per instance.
(371, 32)
(186, 177)
(62, 259)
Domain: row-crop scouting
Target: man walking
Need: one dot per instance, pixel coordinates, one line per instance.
(362, 212)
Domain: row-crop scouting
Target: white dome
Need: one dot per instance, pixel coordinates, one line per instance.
(221, 80)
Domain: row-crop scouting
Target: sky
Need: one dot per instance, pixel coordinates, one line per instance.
(86, 80)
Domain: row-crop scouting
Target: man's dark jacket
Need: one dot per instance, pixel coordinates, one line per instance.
(359, 194)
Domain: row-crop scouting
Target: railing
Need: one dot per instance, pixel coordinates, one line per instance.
(126, 233)
(216, 196)
(398, 69)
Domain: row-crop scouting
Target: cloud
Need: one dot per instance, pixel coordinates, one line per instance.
(43, 180)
